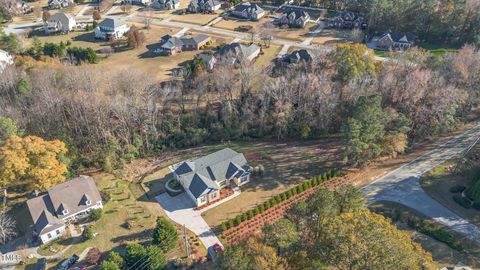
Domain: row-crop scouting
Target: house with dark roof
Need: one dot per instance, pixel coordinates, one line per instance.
(204, 6)
(172, 45)
(294, 18)
(204, 177)
(111, 28)
(248, 11)
(166, 4)
(236, 52)
(60, 204)
(348, 20)
(295, 58)
(394, 40)
(59, 4)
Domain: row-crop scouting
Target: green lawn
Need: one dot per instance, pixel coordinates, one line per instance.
(438, 49)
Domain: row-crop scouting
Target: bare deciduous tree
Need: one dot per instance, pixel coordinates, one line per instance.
(7, 228)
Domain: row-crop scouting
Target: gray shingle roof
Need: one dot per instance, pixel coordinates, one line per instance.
(47, 208)
(111, 23)
(238, 49)
(218, 166)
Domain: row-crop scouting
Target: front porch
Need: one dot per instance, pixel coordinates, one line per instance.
(226, 194)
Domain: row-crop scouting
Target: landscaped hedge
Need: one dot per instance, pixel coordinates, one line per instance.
(280, 198)
(439, 233)
(464, 202)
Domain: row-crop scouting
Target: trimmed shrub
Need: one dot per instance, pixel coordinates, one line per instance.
(262, 208)
(305, 185)
(256, 211)
(439, 233)
(289, 193)
(244, 217)
(96, 214)
(457, 189)
(88, 233)
(320, 179)
(224, 226)
(231, 223)
(250, 214)
(300, 189)
(267, 205)
(464, 202)
(315, 181)
(238, 219)
(284, 196)
(294, 191)
(325, 176)
(273, 201)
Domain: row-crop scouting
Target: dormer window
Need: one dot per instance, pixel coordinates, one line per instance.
(88, 202)
(65, 212)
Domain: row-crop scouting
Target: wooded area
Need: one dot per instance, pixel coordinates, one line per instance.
(107, 119)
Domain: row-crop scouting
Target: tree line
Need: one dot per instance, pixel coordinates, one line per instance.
(108, 118)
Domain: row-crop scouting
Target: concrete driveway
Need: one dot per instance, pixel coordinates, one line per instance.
(180, 209)
(403, 186)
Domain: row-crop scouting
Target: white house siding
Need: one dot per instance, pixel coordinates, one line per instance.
(53, 235)
(117, 32)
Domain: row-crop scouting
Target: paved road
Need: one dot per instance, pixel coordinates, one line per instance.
(403, 186)
(180, 210)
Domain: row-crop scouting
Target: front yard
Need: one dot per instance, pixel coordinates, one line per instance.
(233, 24)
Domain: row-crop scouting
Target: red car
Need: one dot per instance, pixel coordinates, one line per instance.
(218, 248)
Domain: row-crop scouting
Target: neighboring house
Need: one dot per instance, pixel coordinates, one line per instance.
(58, 4)
(60, 22)
(295, 18)
(349, 20)
(111, 28)
(204, 177)
(295, 58)
(204, 6)
(209, 60)
(236, 51)
(172, 45)
(61, 204)
(166, 4)
(248, 11)
(25, 8)
(137, 2)
(394, 40)
(5, 59)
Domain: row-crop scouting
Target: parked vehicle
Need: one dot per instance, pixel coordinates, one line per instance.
(214, 250)
(41, 264)
(65, 265)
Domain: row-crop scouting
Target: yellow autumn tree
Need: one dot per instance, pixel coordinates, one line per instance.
(33, 160)
(365, 240)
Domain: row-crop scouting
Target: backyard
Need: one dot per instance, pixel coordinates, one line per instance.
(124, 219)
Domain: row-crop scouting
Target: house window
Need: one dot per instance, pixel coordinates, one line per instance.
(202, 200)
(58, 232)
(214, 195)
(49, 236)
(243, 179)
(65, 212)
(88, 202)
(222, 183)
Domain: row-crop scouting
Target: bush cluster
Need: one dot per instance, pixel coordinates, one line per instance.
(464, 202)
(457, 189)
(439, 233)
(280, 198)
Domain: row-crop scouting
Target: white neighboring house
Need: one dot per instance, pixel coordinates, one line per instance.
(166, 4)
(5, 59)
(204, 177)
(61, 204)
(60, 22)
(111, 28)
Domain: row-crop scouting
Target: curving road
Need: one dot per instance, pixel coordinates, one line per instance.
(402, 185)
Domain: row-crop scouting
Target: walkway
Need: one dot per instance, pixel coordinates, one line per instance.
(180, 210)
(403, 185)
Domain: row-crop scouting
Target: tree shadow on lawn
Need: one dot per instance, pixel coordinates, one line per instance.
(87, 37)
(143, 236)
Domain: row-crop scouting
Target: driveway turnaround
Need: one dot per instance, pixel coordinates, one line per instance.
(402, 185)
(180, 209)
